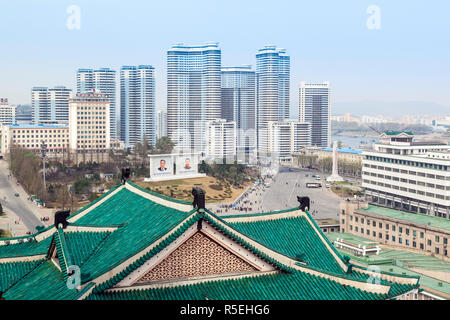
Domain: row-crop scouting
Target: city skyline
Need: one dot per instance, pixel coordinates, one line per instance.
(363, 64)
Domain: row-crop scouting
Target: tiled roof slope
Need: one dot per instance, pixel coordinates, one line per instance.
(12, 272)
(25, 249)
(304, 244)
(144, 224)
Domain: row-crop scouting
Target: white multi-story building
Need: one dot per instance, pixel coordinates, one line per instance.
(161, 123)
(272, 90)
(408, 175)
(7, 112)
(102, 80)
(239, 105)
(315, 108)
(287, 137)
(221, 139)
(89, 123)
(50, 104)
(137, 105)
(193, 92)
(31, 137)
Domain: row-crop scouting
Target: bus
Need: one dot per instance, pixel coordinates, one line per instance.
(313, 185)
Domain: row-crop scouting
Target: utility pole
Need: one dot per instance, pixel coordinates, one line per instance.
(44, 150)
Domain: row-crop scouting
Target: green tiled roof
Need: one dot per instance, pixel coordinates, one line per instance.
(81, 245)
(437, 222)
(45, 282)
(304, 244)
(25, 249)
(140, 222)
(289, 286)
(396, 133)
(12, 272)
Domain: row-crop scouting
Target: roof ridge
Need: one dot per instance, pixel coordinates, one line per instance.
(158, 195)
(259, 214)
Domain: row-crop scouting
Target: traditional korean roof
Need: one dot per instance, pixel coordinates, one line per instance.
(132, 243)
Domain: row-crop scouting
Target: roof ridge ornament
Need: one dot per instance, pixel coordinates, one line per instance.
(199, 199)
(61, 218)
(304, 203)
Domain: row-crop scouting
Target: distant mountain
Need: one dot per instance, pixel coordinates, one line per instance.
(390, 109)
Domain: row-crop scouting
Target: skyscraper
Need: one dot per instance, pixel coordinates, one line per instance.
(193, 92)
(137, 104)
(161, 123)
(238, 103)
(314, 107)
(50, 105)
(104, 81)
(272, 89)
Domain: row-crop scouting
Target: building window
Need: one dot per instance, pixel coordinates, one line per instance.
(407, 242)
(436, 250)
(393, 228)
(437, 239)
(421, 235)
(400, 240)
(421, 246)
(393, 238)
(429, 242)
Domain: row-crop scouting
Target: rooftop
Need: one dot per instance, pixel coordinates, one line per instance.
(403, 262)
(436, 222)
(344, 150)
(38, 126)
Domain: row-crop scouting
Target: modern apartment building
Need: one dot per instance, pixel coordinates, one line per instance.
(7, 112)
(239, 104)
(102, 80)
(221, 139)
(272, 90)
(50, 104)
(287, 137)
(137, 104)
(31, 137)
(89, 123)
(161, 123)
(193, 93)
(392, 227)
(408, 175)
(315, 107)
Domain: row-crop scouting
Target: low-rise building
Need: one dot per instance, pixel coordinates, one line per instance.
(396, 228)
(31, 137)
(284, 138)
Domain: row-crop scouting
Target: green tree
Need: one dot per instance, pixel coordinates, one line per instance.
(164, 145)
(81, 185)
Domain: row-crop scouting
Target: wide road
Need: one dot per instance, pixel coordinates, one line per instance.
(22, 207)
(283, 192)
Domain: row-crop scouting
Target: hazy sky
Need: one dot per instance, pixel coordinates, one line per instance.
(408, 58)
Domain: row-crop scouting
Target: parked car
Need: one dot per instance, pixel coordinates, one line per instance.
(16, 194)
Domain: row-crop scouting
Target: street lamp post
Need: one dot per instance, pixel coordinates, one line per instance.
(43, 150)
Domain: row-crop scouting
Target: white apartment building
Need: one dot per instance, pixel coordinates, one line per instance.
(408, 175)
(89, 123)
(31, 137)
(286, 137)
(221, 137)
(7, 112)
(315, 108)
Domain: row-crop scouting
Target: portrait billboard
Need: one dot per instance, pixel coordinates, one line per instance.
(161, 166)
(186, 164)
